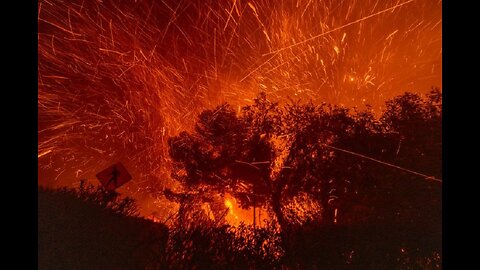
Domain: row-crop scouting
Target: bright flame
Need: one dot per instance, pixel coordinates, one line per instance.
(229, 205)
(232, 218)
(117, 78)
(236, 215)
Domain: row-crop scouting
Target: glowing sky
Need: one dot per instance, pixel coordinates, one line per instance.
(116, 78)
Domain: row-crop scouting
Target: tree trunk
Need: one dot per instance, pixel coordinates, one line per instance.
(285, 242)
(277, 209)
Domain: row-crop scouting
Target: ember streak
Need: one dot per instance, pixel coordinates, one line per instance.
(117, 78)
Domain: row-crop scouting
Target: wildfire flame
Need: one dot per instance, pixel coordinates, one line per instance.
(117, 78)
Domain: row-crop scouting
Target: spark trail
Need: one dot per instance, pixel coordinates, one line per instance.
(385, 163)
(117, 78)
(274, 53)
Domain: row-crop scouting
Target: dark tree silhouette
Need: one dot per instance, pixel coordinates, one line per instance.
(267, 154)
(377, 180)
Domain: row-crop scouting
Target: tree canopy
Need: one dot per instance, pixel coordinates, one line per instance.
(348, 160)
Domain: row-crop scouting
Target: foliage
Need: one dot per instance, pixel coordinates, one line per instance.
(101, 197)
(268, 154)
(203, 246)
(325, 171)
(89, 228)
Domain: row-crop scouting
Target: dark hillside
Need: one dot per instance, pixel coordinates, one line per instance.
(76, 234)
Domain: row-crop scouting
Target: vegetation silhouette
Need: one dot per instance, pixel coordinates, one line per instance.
(269, 154)
(375, 184)
(377, 179)
(92, 228)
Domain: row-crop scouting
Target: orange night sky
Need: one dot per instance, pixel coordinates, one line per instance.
(117, 78)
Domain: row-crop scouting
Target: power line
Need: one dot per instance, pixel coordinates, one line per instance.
(340, 27)
(433, 178)
(275, 53)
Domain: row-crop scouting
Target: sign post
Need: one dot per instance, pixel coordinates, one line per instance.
(114, 176)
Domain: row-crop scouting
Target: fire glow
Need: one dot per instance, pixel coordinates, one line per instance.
(116, 79)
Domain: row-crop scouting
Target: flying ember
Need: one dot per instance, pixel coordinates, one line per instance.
(116, 79)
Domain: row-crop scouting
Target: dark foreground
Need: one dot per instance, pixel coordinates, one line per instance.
(77, 234)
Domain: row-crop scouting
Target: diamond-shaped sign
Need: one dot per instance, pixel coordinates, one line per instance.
(114, 176)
